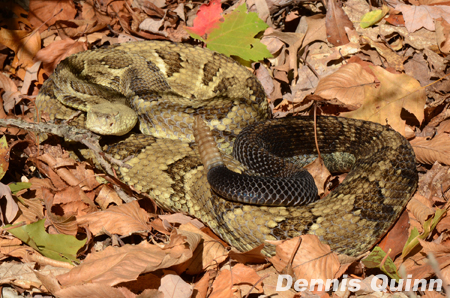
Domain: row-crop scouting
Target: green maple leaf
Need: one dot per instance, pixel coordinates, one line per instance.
(235, 36)
(57, 247)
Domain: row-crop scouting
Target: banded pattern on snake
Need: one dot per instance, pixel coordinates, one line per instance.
(165, 85)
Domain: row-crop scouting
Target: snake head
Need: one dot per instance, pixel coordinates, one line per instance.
(111, 119)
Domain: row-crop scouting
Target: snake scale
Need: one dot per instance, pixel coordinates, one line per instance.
(163, 85)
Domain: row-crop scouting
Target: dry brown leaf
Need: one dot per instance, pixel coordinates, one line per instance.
(9, 208)
(49, 11)
(119, 264)
(316, 29)
(122, 220)
(239, 280)
(313, 259)
(394, 60)
(31, 75)
(150, 293)
(417, 17)
(384, 104)
(346, 85)
(420, 211)
(11, 95)
(338, 52)
(418, 265)
(270, 278)
(320, 174)
(443, 35)
(25, 44)
(336, 21)
(429, 151)
(294, 40)
(64, 224)
(107, 196)
(395, 239)
(182, 219)
(22, 275)
(253, 256)
(444, 127)
(202, 286)
(96, 290)
(432, 294)
(444, 224)
(174, 286)
(54, 53)
(208, 255)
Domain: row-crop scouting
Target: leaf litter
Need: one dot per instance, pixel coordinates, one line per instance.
(387, 64)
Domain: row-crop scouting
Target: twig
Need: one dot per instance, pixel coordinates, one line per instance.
(84, 136)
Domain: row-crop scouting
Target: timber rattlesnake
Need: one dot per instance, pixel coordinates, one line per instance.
(165, 84)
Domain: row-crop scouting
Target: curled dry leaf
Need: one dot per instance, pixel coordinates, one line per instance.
(313, 259)
(10, 95)
(418, 265)
(240, 279)
(122, 220)
(209, 255)
(120, 264)
(10, 209)
(64, 224)
(429, 151)
(253, 256)
(420, 211)
(106, 197)
(347, 85)
(320, 174)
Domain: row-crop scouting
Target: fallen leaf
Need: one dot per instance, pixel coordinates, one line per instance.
(429, 151)
(25, 44)
(208, 18)
(230, 282)
(120, 264)
(175, 286)
(420, 211)
(336, 21)
(95, 290)
(125, 219)
(208, 255)
(396, 238)
(10, 209)
(420, 16)
(59, 247)
(4, 157)
(44, 13)
(313, 259)
(55, 52)
(384, 104)
(11, 95)
(347, 85)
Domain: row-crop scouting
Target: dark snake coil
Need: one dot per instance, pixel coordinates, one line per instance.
(167, 84)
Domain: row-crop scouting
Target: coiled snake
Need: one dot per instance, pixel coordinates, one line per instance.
(163, 85)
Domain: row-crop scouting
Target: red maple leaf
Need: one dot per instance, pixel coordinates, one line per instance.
(208, 18)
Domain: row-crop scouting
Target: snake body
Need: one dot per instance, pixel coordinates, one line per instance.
(166, 84)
